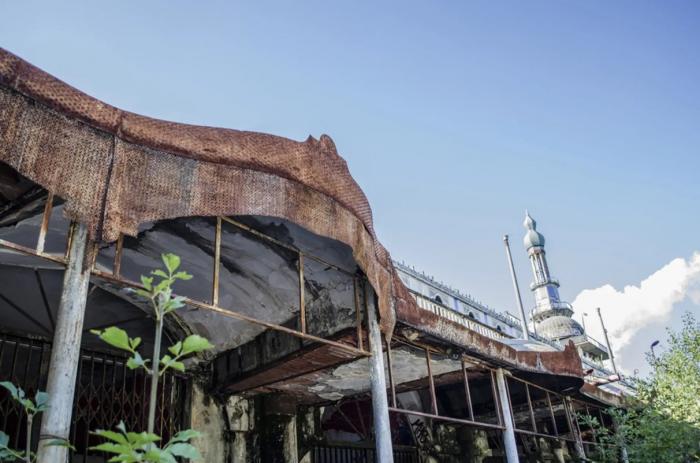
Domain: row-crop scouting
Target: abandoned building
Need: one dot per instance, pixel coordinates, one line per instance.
(325, 349)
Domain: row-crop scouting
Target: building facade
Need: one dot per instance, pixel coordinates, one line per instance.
(324, 349)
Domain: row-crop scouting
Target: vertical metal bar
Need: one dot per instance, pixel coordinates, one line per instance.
(358, 314)
(529, 404)
(302, 306)
(217, 263)
(575, 430)
(117, 267)
(93, 256)
(551, 413)
(496, 398)
(65, 354)
(44, 224)
(607, 342)
(433, 397)
(390, 368)
(69, 240)
(516, 288)
(468, 394)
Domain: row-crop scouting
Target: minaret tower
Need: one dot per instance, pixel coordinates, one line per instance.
(551, 316)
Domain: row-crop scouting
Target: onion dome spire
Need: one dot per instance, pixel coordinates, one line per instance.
(533, 238)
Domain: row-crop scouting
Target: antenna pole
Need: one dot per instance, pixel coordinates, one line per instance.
(607, 342)
(516, 288)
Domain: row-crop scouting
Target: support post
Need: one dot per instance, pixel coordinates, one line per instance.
(607, 342)
(509, 431)
(573, 423)
(380, 405)
(516, 288)
(65, 351)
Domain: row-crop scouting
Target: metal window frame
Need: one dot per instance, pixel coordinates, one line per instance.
(115, 276)
(556, 436)
(395, 408)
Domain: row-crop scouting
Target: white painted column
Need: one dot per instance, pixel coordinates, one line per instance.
(509, 431)
(65, 350)
(380, 403)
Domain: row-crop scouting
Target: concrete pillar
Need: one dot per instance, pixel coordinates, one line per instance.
(509, 431)
(240, 415)
(380, 403)
(280, 424)
(208, 418)
(65, 350)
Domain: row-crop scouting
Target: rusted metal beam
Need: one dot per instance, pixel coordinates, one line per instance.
(358, 313)
(262, 235)
(30, 251)
(239, 316)
(302, 303)
(390, 369)
(217, 263)
(444, 418)
(117, 267)
(431, 382)
(467, 391)
(46, 217)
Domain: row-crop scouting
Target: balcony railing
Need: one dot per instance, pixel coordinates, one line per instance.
(454, 316)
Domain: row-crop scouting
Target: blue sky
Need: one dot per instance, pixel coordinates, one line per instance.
(453, 116)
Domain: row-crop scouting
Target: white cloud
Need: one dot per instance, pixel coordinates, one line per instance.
(635, 307)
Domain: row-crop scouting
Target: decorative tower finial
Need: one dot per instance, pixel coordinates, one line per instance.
(552, 316)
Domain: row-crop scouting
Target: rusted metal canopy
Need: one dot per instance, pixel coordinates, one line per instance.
(116, 170)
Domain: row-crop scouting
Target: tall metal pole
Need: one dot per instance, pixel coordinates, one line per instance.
(516, 288)
(509, 431)
(380, 403)
(607, 342)
(65, 350)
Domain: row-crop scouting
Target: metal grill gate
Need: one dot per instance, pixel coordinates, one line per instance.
(340, 454)
(106, 392)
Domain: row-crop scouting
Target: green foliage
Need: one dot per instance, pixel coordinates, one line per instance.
(6, 453)
(663, 424)
(31, 408)
(141, 447)
(192, 344)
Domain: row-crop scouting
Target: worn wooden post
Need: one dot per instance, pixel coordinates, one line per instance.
(380, 403)
(509, 431)
(65, 351)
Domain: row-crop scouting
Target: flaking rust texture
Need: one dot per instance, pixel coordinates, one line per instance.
(117, 170)
(565, 362)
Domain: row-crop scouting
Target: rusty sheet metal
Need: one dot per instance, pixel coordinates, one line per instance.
(117, 169)
(296, 368)
(566, 362)
(590, 391)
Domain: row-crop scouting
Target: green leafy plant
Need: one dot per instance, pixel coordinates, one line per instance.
(662, 421)
(31, 409)
(142, 447)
